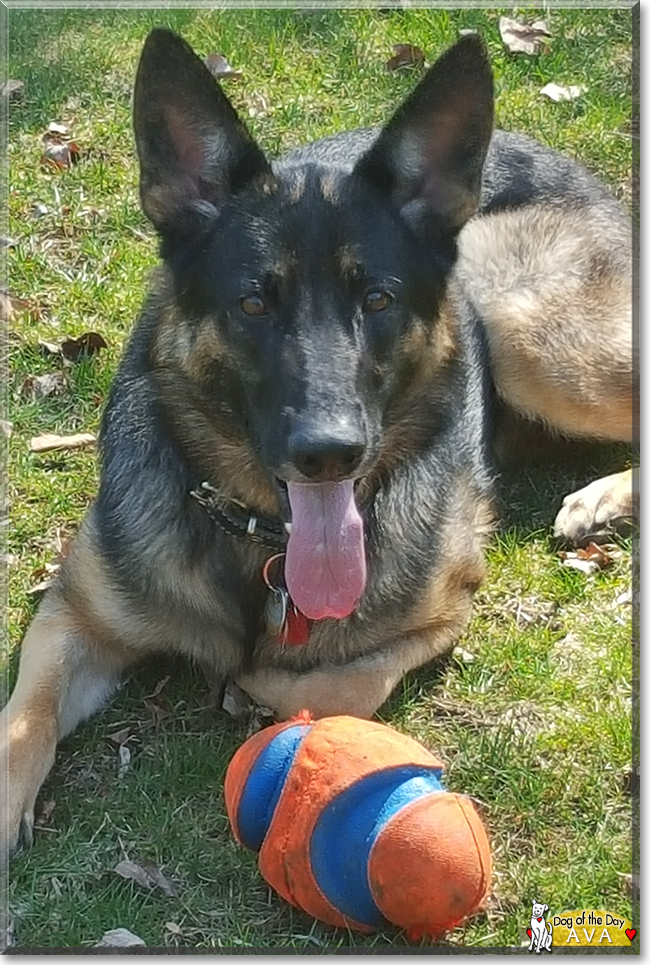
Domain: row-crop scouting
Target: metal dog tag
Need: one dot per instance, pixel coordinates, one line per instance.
(275, 610)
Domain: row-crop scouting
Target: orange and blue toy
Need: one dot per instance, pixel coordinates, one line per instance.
(354, 826)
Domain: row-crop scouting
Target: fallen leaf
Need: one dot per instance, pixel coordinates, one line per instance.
(49, 571)
(523, 38)
(173, 928)
(405, 55)
(75, 349)
(40, 386)
(120, 736)
(148, 875)
(258, 106)
(219, 67)
(123, 761)
(49, 441)
(6, 428)
(166, 885)
(467, 32)
(58, 149)
(133, 872)
(60, 154)
(44, 813)
(12, 90)
(557, 93)
(119, 938)
(10, 305)
(157, 712)
(236, 703)
(584, 566)
(590, 558)
(162, 683)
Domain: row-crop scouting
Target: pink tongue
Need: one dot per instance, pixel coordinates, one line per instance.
(325, 567)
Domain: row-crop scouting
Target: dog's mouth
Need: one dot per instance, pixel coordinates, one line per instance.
(325, 567)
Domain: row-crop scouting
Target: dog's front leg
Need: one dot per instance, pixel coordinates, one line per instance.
(64, 676)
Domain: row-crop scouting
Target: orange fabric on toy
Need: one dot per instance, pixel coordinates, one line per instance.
(353, 826)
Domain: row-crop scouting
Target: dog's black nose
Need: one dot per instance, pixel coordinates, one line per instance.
(326, 454)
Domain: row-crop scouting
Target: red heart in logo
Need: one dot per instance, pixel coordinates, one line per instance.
(630, 932)
(529, 933)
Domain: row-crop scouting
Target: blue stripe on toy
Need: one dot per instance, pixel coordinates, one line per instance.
(264, 785)
(347, 829)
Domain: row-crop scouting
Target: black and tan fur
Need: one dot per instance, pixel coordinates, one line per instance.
(530, 299)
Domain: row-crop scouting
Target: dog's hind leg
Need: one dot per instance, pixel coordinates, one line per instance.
(64, 676)
(553, 289)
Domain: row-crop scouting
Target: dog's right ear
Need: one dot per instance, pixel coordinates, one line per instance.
(194, 151)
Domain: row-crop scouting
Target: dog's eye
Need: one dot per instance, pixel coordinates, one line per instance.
(253, 305)
(377, 301)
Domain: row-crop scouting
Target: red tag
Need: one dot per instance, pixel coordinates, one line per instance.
(539, 919)
(296, 628)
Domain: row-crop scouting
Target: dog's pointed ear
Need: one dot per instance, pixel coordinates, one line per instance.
(429, 157)
(191, 143)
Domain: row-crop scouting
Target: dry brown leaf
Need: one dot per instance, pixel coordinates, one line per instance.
(45, 812)
(59, 151)
(120, 736)
(119, 938)
(40, 386)
(405, 55)
(523, 38)
(166, 885)
(49, 441)
(219, 67)
(236, 703)
(60, 155)
(146, 874)
(162, 683)
(133, 872)
(158, 713)
(76, 349)
(10, 305)
(590, 558)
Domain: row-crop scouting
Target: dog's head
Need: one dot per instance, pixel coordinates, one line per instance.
(539, 909)
(310, 295)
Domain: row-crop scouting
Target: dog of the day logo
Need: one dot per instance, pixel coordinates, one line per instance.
(580, 928)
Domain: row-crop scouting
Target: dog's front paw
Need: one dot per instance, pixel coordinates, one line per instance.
(596, 510)
(25, 758)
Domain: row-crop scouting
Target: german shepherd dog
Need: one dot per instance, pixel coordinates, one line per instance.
(296, 486)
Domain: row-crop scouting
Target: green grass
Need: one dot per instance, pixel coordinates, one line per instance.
(532, 716)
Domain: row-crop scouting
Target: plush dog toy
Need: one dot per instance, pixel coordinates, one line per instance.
(353, 826)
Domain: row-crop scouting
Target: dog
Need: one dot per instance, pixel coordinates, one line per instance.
(541, 937)
(296, 485)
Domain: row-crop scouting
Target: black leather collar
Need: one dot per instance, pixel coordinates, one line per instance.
(235, 519)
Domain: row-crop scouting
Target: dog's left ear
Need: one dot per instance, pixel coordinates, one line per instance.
(194, 150)
(429, 157)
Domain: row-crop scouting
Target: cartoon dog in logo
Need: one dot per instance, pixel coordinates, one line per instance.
(540, 937)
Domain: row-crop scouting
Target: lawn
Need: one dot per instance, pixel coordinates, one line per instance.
(532, 715)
